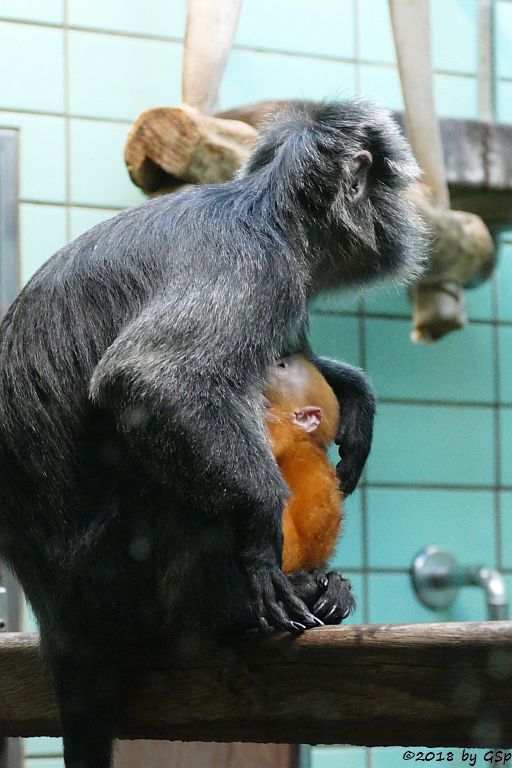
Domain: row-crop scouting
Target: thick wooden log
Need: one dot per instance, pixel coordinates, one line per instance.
(171, 146)
(409, 684)
(462, 254)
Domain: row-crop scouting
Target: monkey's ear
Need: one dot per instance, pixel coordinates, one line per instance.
(308, 418)
(359, 166)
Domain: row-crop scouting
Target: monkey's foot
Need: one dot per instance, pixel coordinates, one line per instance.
(327, 595)
(275, 604)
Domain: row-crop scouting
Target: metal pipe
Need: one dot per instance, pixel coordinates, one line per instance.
(437, 577)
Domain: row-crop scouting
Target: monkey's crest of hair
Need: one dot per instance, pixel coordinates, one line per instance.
(307, 150)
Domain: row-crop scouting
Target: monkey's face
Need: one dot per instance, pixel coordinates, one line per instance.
(370, 229)
(289, 381)
(297, 392)
(344, 169)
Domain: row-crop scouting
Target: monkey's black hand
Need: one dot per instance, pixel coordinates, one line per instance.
(327, 595)
(275, 604)
(337, 601)
(357, 411)
(355, 440)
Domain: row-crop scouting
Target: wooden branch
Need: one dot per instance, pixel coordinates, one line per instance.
(170, 146)
(409, 684)
(254, 114)
(209, 37)
(462, 254)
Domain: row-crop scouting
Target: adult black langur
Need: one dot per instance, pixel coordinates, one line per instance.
(140, 498)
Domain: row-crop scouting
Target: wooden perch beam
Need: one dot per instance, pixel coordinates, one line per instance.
(410, 684)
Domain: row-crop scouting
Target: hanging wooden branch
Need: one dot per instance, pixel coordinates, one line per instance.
(409, 684)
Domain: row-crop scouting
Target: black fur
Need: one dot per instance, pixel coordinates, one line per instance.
(140, 498)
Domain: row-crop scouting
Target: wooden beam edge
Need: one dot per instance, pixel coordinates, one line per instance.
(395, 684)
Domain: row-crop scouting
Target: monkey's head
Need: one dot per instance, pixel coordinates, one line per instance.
(341, 169)
(300, 398)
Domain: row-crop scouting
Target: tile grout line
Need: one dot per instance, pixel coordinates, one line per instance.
(403, 570)
(414, 486)
(237, 47)
(49, 113)
(475, 321)
(364, 490)
(83, 206)
(364, 501)
(65, 29)
(497, 424)
(357, 46)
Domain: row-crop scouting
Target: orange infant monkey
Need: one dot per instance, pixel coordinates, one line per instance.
(302, 419)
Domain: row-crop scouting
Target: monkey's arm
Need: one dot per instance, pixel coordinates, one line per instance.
(357, 409)
(165, 382)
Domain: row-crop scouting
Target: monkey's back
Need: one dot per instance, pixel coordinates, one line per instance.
(72, 491)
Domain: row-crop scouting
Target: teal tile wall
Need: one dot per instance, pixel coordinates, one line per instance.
(339, 757)
(452, 22)
(323, 28)
(381, 85)
(44, 746)
(43, 155)
(336, 301)
(505, 351)
(504, 101)
(503, 61)
(430, 516)
(433, 445)
(158, 18)
(336, 337)
(49, 11)
(43, 231)
(392, 600)
(506, 446)
(253, 72)
(388, 300)
(456, 96)
(441, 469)
(99, 177)
(506, 527)
(504, 39)
(38, 88)
(399, 368)
(480, 301)
(504, 282)
(126, 69)
(83, 219)
(357, 581)
(375, 36)
(349, 552)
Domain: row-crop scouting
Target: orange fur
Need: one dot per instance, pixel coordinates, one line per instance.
(313, 513)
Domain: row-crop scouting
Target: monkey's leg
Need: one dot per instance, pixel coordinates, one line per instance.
(171, 414)
(253, 486)
(88, 694)
(357, 411)
(327, 594)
